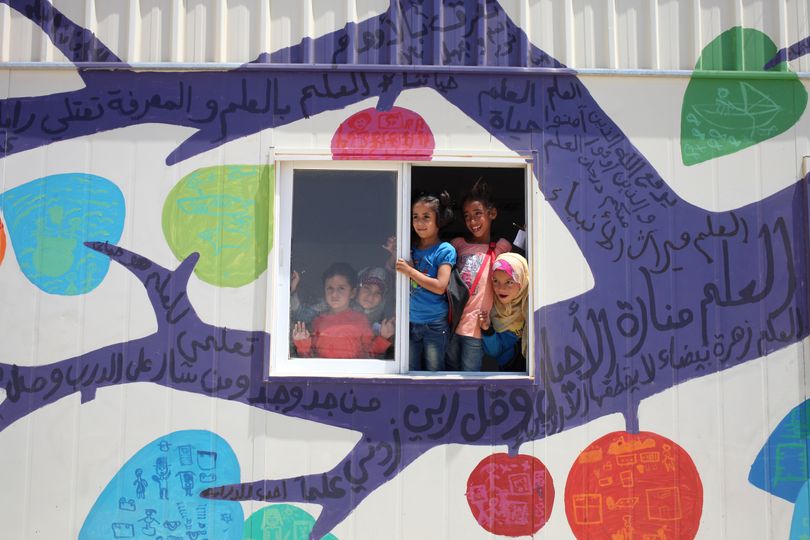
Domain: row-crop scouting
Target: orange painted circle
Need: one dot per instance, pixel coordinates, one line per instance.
(510, 496)
(626, 486)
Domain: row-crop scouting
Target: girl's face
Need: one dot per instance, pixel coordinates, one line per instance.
(423, 219)
(506, 289)
(478, 219)
(369, 296)
(338, 293)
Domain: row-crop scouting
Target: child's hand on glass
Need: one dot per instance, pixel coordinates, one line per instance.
(390, 245)
(295, 279)
(483, 320)
(300, 331)
(403, 267)
(387, 328)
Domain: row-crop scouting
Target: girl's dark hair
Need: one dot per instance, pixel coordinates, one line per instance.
(441, 205)
(341, 269)
(479, 192)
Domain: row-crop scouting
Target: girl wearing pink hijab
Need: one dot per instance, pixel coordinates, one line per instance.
(504, 328)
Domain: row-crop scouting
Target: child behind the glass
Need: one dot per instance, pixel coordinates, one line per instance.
(341, 332)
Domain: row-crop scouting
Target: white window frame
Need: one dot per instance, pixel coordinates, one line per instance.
(278, 308)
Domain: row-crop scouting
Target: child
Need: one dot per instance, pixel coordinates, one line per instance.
(341, 332)
(371, 295)
(504, 328)
(371, 299)
(475, 256)
(432, 262)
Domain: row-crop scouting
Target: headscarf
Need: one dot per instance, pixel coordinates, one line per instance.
(512, 316)
(374, 275)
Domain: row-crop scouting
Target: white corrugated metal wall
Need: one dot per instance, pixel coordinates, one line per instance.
(585, 34)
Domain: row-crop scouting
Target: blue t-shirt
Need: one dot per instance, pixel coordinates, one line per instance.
(426, 306)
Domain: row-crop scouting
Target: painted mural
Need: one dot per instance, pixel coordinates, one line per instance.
(679, 292)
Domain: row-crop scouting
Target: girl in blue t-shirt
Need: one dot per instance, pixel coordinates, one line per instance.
(429, 272)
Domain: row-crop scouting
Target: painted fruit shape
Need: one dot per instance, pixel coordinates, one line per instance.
(634, 485)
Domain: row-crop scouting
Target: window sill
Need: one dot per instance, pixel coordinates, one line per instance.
(418, 379)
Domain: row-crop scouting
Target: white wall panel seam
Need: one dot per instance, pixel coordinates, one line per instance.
(697, 33)
(309, 30)
(5, 33)
(134, 38)
(220, 24)
(178, 31)
(655, 46)
(525, 22)
(568, 17)
(612, 41)
(264, 42)
(91, 23)
(782, 38)
(739, 13)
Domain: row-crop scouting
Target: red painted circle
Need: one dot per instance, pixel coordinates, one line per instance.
(398, 134)
(2, 241)
(634, 486)
(510, 496)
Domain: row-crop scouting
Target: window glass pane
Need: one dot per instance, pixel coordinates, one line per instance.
(342, 298)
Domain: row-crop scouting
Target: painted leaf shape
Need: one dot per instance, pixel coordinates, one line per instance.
(155, 494)
(48, 221)
(723, 113)
(800, 523)
(782, 466)
(224, 214)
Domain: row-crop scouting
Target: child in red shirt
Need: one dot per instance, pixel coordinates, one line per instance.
(341, 332)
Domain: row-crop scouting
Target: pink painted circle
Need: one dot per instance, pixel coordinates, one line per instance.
(398, 134)
(510, 496)
(634, 485)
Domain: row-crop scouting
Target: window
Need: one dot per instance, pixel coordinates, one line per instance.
(339, 308)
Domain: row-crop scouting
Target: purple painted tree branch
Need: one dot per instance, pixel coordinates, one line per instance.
(794, 52)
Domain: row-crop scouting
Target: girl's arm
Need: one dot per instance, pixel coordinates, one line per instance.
(499, 345)
(435, 285)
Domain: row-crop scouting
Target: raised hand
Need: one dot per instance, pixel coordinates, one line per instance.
(387, 328)
(295, 279)
(390, 245)
(300, 331)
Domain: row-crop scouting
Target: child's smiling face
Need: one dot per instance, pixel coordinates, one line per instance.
(338, 293)
(478, 219)
(423, 219)
(506, 289)
(369, 296)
